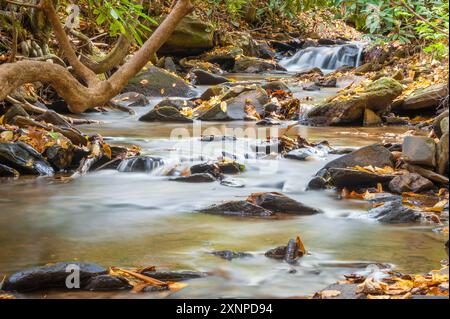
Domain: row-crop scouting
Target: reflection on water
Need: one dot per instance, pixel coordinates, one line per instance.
(136, 219)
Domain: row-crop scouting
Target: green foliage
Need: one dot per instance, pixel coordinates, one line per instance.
(121, 17)
(391, 20)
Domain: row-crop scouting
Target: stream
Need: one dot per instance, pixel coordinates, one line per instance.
(136, 219)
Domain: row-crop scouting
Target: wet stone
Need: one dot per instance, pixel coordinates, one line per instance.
(107, 283)
(230, 255)
(195, 178)
(394, 213)
(237, 208)
(6, 171)
(52, 276)
(419, 150)
(410, 183)
(279, 203)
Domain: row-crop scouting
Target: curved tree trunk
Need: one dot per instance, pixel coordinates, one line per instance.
(78, 96)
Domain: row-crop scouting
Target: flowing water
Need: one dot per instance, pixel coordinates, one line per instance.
(327, 58)
(138, 219)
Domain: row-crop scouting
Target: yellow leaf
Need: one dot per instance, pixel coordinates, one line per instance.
(6, 136)
(223, 106)
(107, 150)
(300, 245)
(329, 293)
(144, 82)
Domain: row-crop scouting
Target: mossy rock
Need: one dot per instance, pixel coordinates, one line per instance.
(154, 81)
(377, 97)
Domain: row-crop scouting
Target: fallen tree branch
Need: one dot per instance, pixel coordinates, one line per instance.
(27, 106)
(87, 162)
(98, 93)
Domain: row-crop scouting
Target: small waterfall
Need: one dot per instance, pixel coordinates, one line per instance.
(143, 164)
(327, 58)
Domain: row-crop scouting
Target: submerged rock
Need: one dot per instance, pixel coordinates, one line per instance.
(52, 276)
(377, 96)
(174, 275)
(279, 203)
(165, 114)
(394, 212)
(23, 158)
(299, 154)
(237, 208)
(144, 164)
(107, 283)
(410, 183)
(177, 103)
(195, 178)
(153, 81)
(316, 183)
(230, 255)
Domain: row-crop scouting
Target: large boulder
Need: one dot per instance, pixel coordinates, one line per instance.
(426, 98)
(375, 155)
(349, 107)
(191, 36)
(53, 276)
(23, 158)
(165, 114)
(154, 81)
(410, 183)
(6, 171)
(419, 150)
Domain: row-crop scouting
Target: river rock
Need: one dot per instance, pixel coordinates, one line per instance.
(443, 154)
(59, 157)
(427, 98)
(311, 87)
(444, 125)
(289, 253)
(377, 96)
(393, 213)
(276, 86)
(317, 183)
(13, 111)
(237, 208)
(438, 125)
(174, 275)
(268, 122)
(206, 78)
(300, 154)
(328, 83)
(432, 176)
(195, 178)
(230, 255)
(371, 118)
(131, 99)
(314, 70)
(233, 106)
(139, 164)
(154, 81)
(165, 114)
(52, 276)
(410, 183)
(107, 283)
(255, 65)
(375, 155)
(23, 158)
(345, 177)
(191, 36)
(6, 171)
(280, 203)
(179, 104)
(419, 150)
